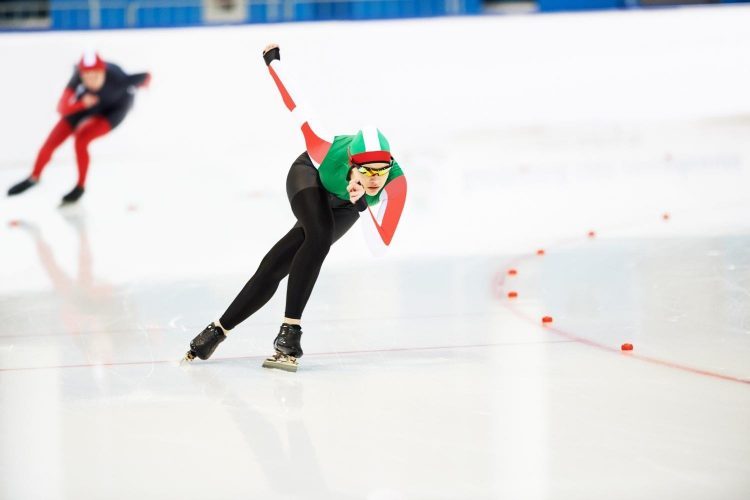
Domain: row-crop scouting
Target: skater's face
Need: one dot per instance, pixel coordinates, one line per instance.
(93, 80)
(372, 183)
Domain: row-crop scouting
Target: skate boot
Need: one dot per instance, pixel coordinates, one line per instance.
(204, 345)
(22, 186)
(288, 349)
(73, 196)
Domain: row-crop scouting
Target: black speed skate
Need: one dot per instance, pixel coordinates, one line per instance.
(204, 345)
(288, 349)
(21, 186)
(73, 196)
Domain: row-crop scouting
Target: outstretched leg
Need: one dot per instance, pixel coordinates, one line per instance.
(316, 218)
(57, 136)
(60, 132)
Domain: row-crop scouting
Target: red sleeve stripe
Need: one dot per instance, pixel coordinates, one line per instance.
(67, 104)
(288, 101)
(396, 190)
(317, 148)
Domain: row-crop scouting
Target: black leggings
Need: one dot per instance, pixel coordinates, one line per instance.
(321, 220)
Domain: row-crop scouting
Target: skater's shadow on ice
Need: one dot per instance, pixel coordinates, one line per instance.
(282, 445)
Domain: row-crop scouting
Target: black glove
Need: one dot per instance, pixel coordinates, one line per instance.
(361, 204)
(272, 55)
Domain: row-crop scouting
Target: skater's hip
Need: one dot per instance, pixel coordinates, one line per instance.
(302, 175)
(114, 114)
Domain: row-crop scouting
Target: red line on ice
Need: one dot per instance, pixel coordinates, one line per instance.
(499, 281)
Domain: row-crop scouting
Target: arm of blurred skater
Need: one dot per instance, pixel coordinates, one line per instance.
(70, 101)
(140, 80)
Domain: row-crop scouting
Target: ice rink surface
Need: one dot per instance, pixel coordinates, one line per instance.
(421, 378)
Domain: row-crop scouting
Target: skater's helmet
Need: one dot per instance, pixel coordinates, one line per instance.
(90, 61)
(369, 145)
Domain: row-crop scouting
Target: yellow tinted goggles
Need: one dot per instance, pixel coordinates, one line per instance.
(369, 172)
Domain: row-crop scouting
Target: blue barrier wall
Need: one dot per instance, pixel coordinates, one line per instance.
(573, 5)
(564, 5)
(111, 14)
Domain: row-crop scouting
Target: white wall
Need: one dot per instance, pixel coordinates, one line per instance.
(421, 81)
(512, 130)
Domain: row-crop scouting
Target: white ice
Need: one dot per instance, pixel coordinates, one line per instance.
(421, 379)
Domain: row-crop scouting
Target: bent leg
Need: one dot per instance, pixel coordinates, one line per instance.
(89, 130)
(316, 218)
(300, 253)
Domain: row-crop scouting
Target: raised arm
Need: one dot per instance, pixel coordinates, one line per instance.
(317, 147)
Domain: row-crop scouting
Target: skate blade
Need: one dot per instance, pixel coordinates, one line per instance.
(187, 359)
(69, 207)
(289, 366)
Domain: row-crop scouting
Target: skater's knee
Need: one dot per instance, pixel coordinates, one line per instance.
(271, 275)
(319, 242)
(81, 143)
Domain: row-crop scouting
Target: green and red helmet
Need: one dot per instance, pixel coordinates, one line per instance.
(369, 145)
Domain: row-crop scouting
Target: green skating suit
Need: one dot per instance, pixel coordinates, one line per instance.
(334, 170)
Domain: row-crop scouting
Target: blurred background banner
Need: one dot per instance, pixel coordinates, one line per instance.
(223, 11)
(113, 14)
(109, 14)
